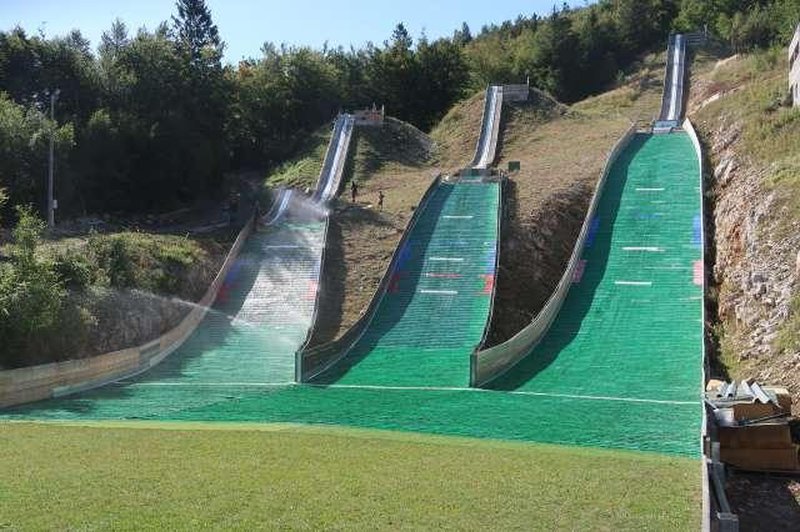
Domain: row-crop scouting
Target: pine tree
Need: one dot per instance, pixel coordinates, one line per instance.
(196, 33)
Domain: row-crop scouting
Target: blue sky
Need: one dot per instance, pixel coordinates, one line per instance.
(245, 25)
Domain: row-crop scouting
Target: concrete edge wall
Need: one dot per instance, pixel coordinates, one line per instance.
(349, 123)
(57, 379)
(311, 362)
(706, 490)
(489, 364)
(499, 214)
(323, 260)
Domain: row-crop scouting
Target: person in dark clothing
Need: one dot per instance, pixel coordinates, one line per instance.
(353, 190)
(380, 200)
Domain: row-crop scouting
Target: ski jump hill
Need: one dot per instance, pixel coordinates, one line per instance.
(615, 359)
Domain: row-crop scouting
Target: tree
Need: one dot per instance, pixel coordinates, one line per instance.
(636, 26)
(3, 201)
(462, 36)
(204, 104)
(401, 41)
(554, 61)
(31, 293)
(24, 132)
(196, 33)
(597, 62)
(114, 41)
(442, 75)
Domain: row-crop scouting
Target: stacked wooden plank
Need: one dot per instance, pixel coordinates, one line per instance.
(754, 425)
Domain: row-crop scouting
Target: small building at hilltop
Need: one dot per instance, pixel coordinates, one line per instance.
(794, 66)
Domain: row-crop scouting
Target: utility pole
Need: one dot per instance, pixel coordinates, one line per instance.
(51, 217)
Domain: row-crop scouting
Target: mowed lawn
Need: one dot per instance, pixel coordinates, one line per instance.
(175, 476)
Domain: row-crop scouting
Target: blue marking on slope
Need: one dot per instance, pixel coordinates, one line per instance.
(697, 230)
(593, 227)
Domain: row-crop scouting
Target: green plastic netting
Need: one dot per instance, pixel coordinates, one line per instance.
(620, 368)
(437, 304)
(632, 327)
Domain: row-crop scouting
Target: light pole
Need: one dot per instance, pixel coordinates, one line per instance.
(51, 217)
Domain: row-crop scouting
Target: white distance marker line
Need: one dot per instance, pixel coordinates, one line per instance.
(455, 217)
(447, 259)
(643, 248)
(443, 292)
(634, 283)
(518, 392)
(645, 189)
(283, 246)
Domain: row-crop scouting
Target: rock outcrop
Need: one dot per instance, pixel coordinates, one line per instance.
(756, 245)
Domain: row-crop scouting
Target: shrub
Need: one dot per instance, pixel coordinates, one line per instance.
(31, 294)
(75, 270)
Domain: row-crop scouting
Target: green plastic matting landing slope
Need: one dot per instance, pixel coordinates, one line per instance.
(261, 316)
(586, 384)
(435, 309)
(631, 326)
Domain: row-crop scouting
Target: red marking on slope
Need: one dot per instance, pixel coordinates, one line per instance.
(488, 283)
(698, 273)
(394, 284)
(577, 275)
(312, 290)
(224, 292)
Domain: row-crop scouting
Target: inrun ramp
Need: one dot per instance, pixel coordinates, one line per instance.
(330, 176)
(435, 309)
(262, 314)
(631, 327)
(486, 149)
(672, 97)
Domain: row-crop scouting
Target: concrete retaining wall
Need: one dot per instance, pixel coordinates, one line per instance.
(487, 364)
(34, 383)
(706, 462)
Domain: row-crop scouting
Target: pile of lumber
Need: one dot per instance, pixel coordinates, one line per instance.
(754, 426)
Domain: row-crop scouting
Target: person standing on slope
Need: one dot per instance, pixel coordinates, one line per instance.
(353, 190)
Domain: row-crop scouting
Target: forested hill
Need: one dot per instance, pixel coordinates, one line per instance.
(152, 119)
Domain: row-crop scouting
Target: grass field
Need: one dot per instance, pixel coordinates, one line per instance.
(180, 476)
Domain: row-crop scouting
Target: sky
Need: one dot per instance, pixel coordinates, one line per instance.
(246, 24)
